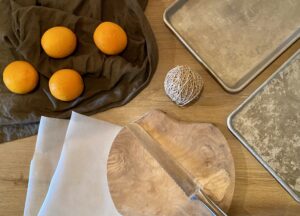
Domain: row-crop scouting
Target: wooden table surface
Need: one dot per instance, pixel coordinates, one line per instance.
(256, 191)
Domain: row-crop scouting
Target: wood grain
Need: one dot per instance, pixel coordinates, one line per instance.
(256, 192)
(140, 186)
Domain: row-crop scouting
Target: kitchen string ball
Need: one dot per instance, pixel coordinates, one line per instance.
(183, 85)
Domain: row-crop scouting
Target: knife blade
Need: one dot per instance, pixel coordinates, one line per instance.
(176, 171)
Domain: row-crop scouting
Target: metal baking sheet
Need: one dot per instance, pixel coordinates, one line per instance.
(235, 39)
(268, 124)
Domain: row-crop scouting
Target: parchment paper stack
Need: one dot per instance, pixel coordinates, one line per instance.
(68, 172)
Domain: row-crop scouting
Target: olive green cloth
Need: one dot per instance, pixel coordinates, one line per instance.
(110, 81)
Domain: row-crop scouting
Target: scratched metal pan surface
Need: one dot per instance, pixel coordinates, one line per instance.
(268, 125)
(235, 39)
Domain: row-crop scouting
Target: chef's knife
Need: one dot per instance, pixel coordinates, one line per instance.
(180, 175)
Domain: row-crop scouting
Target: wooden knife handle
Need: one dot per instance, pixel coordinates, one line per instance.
(216, 210)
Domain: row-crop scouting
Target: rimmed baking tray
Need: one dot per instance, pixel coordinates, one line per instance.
(235, 39)
(268, 124)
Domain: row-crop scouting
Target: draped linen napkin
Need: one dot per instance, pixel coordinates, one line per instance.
(110, 81)
(79, 184)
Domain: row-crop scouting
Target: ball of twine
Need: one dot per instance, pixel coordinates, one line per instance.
(182, 85)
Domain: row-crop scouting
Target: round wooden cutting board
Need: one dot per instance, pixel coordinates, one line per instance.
(140, 186)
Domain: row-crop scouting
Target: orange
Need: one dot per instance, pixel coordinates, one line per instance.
(20, 77)
(66, 84)
(110, 38)
(58, 42)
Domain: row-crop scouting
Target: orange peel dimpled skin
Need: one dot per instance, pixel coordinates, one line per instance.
(20, 77)
(110, 38)
(66, 85)
(59, 42)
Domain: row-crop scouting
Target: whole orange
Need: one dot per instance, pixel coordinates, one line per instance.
(110, 38)
(59, 42)
(66, 84)
(20, 77)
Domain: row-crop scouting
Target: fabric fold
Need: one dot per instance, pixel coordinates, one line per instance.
(110, 81)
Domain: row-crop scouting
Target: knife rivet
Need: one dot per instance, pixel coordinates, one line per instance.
(193, 197)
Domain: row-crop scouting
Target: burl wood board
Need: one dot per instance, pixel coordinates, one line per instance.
(140, 186)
